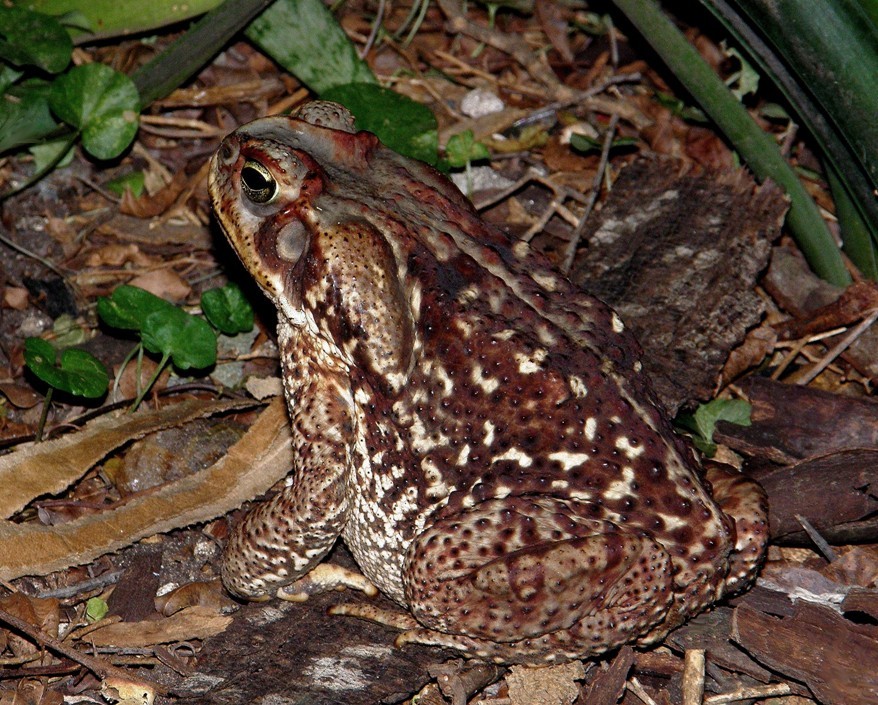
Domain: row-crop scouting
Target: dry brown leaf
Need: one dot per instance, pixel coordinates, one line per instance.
(15, 297)
(150, 206)
(189, 623)
(261, 458)
(119, 254)
(207, 594)
(165, 283)
(21, 395)
(50, 467)
(549, 685)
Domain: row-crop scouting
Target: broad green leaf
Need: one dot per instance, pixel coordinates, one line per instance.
(134, 181)
(96, 609)
(402, 124)
(56, 153)
(8, 76)
(703, 422)
(228, 309)
(79, 373)
(190, 341)
(101, 103)
(462, 148)
(25, 117)
(33, 39)
(304, 38)
(128, 307)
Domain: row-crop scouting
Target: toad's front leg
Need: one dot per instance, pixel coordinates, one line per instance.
(510, 577)
(283, 539)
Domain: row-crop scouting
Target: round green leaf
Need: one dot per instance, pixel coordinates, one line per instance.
(101, 103)
(25, 117)
(33, 39)
(228, 309)
(190, 341)
(401, 123)
(79, 372)
(129, 306)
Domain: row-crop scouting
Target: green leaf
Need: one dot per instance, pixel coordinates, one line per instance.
(584, 143)
(79, 373)
(56, 153)
(133, 181)
(462, 148)
(304, 38)
(25, 117)
(228, 309)
(188, 340)
(101, 103)
(402, 124)
(703, 422)
(128, 307)
(33, 39)
(95, 609)
(8, 76)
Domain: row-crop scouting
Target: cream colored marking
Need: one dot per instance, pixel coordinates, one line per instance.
(436, 486)
(623, 444)
(415, 300)
(569, 460)
(502, 492)
(488, 384)
(620, 488)
(577, 386)
(591, 427)
(618, 325)
(435, 370)
(507, 334)
(560, 484)
(378, 458)
(530, 365)
(546, 280)
(466, 330)
(489, 434)
(517, 455)
(468, 295)
(463, 456)
(520, 249)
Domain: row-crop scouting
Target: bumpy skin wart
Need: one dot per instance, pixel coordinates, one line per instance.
(475, 428)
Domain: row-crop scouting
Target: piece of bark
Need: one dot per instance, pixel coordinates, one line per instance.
(608, 684)
(133, 598)
(800, 292)
(276, 649)
(677, 257)
(710, 631)
(863, 600)
(835, 658)
(833, 492)
(791, 422)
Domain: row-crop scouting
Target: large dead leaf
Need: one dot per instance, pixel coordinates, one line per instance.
(261, 458)
(190, 623)
(50, 467)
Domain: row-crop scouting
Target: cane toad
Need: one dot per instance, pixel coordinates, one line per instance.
(475, 428)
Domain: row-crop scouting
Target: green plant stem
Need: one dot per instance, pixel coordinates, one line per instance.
(855, 236)
(757, 148)
(183, 59)
(166, 358)
(44, 414)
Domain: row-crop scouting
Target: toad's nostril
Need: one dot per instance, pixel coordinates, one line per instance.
(228, 152)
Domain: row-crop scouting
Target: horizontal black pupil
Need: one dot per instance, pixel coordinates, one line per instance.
(254, 179)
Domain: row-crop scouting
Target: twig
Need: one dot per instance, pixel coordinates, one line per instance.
(842, 345)
(99, 667)
(567, 262)
(4, 238)
(758, 692)
(634, 686)
(693, 676)
(821, 543)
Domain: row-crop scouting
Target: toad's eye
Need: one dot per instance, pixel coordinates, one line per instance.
(257, 182)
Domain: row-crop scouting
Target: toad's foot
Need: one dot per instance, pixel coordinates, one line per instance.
(323, 578)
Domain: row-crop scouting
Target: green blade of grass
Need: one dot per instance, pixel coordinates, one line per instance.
(756, 148)
(182, 59)
(846, 136)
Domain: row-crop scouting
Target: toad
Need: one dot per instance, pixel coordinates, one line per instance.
(476, 429)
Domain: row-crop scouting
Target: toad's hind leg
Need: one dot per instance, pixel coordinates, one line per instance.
(519, 568)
